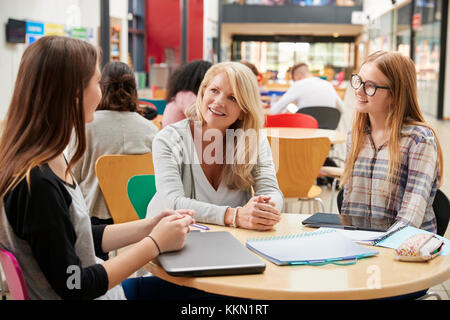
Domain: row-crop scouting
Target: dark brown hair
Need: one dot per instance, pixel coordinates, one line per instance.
(46, 106)
(118, 88)
(187, 77)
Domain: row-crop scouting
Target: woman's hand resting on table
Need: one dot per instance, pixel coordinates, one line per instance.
(259, 214)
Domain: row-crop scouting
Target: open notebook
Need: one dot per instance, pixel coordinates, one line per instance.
(311, 248)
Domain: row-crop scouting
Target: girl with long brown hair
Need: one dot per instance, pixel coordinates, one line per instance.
(394, 160)
(43, 218)
(117, 128)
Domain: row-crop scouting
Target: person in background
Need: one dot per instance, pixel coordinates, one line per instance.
(329, 72)
(394, 159)
(182, 90)
(44, 221)
(253, 68)
(214, 160)
(117, 128)
(307, 91)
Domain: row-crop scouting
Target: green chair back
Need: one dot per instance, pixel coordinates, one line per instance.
(141, 190)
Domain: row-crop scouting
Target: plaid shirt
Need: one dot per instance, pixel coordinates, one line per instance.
(367, 192)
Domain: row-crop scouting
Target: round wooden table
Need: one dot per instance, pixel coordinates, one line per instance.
(302, 133)
(370, 278)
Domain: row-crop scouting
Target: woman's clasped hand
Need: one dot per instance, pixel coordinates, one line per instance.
(259, 213)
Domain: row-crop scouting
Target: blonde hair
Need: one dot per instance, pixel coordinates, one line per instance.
(404, 110)
(246, 92)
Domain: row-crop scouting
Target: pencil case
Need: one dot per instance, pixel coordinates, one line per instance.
(419, 247)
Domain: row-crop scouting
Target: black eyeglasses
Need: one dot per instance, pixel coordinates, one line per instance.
(369, 87)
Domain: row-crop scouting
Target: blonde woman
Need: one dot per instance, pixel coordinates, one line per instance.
(211, 161)
(394, 160)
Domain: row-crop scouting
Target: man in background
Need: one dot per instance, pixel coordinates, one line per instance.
(307, 91)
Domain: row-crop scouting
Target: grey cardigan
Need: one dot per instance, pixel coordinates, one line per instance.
(111, 132)
(173, 154)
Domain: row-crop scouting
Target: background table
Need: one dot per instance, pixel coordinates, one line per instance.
(369, 278)
(299, 133)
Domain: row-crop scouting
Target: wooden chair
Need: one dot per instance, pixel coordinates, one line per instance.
(298, 162)
(335, 173)
(113, 173)
(327, 118)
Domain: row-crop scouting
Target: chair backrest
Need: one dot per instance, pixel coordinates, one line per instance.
(141, 190)
(290, 120)
(298, 162)
(14, 276)
(113, 173)
(327, 117)
(339, 198)
(441, 208)
(160, 104)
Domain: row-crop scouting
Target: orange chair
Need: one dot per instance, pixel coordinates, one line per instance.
(297, 163)
(113, 173)
(291, 120)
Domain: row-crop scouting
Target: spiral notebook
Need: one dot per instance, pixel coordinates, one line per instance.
(311, 248)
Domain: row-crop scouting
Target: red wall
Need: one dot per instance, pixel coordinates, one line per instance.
(164, 29)
(195, 30)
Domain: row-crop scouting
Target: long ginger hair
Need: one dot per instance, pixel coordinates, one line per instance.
(404, 110)
(46, 106)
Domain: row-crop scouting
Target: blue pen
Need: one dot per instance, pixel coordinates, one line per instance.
(200, 226)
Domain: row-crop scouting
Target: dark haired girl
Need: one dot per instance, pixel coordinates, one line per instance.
(44, 221)
(182, 90)
(117, 129)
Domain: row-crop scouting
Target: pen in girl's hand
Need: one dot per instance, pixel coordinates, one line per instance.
(200, 226)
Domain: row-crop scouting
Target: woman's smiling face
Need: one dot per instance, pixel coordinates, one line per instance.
(381, 100)
(219, 107)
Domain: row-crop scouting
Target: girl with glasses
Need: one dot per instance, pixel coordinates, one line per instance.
(394, 160)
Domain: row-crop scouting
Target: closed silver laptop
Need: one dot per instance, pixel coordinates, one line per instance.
(211, 254)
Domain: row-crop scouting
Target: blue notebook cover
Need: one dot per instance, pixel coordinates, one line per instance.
(311, 248)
